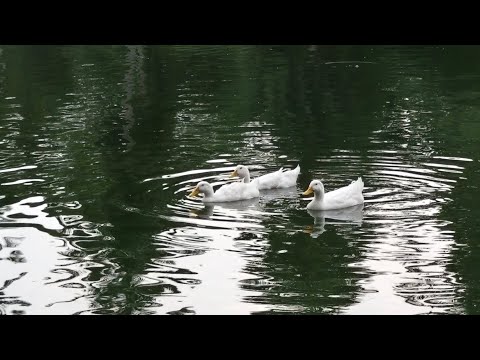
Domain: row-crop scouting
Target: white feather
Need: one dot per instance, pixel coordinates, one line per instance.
(343, 197)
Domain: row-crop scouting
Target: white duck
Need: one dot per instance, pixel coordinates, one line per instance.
(277, 180)
(229, 192)
(343, 197)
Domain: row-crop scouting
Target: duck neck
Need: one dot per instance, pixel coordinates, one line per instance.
(209, 192)
(318, 197)
(246, 179)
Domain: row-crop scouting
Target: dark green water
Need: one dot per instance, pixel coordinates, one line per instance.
(99, 146)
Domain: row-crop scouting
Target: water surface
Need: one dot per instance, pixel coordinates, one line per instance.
(100, 146)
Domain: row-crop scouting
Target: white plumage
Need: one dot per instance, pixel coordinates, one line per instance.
(276, 180)
(229, 192)
(343, 197)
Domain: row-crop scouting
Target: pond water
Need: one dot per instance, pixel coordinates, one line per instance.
(100, 146)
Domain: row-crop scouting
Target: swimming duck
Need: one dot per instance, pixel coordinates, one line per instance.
(343, 197)
(228, 192)
(276, 180)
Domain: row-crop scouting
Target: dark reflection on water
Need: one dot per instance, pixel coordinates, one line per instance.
(100, 146)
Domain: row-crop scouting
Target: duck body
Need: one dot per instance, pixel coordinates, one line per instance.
(343, 197)
(279, 179)
(230, 192)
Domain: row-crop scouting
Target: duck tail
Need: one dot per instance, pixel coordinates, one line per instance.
(360, 183)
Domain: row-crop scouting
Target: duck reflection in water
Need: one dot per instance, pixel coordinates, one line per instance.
(352, 215)
(224, 207)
